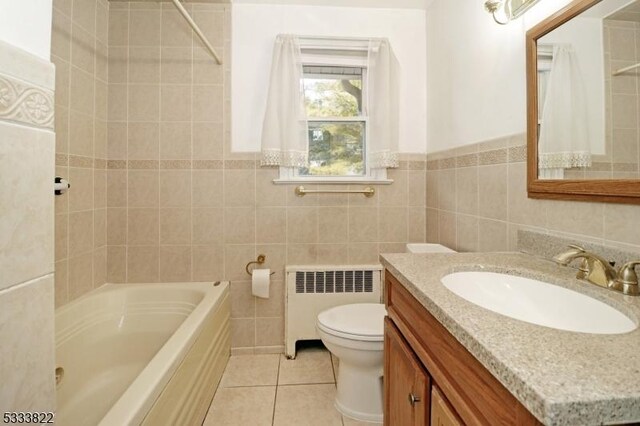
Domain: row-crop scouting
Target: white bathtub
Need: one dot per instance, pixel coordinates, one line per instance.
(141, 353)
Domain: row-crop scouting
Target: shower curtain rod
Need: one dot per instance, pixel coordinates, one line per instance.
(197, 30)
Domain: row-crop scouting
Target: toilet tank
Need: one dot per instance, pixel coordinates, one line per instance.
(428, 248)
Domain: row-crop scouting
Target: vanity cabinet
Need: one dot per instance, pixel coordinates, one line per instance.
(424, 361)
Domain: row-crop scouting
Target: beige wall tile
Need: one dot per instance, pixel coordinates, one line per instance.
(235, 259)
(269, 331)
(467, 190)
(395, 194)
(576, 218)
(81, 197)
(117, 103)
(117, 188)
(522, 209)
(447, 190)
(177, 65)
(239, 188)
(492, 181)
(143, 141)
(302, 254)
(333, 224)
(81, 134)
(302, 225)
(175, 103)
(492, 236)
(208, 263)
(240, 225)
(268, 193)
(620, 225)
(99, 267)
(208, 226)
(144, 102)
(99, 228)
(175, 263)
(142, 227)
(174, 31)
(417, 225)
(332, 254)
(175, 141)
(142, 264)
(243, 332)
(143, 188)
(417, 188)
(175, 188)
(207, 188)
(242, 301)
(447, 222)
(175, 226)
(271, 225)
(81, 89)
(116, 226)
(392, 224)
(118, 27)
(61, 236)
(144, 65)
(116, 264)
(83, 52)
(363, 253)
(363, 224)
(80, 275)
(144, 28)
(272, 307)
(467, 233)
(207, 103)
(80, 233)
(207, 140)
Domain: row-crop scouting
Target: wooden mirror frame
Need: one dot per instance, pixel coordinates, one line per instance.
(612, 190)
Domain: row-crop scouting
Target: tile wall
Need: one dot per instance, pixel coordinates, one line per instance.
(79, 51)
(26, 232)
(477, 201)
(182, 207)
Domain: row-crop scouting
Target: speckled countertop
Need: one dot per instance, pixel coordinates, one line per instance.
(562, 377)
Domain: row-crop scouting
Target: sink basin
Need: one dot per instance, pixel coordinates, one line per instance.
(539, 303)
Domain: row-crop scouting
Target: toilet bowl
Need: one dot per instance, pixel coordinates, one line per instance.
(355, 335)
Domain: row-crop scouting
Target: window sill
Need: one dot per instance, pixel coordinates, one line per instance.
(337, 181)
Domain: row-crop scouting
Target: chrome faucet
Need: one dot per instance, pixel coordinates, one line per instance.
(598, 271)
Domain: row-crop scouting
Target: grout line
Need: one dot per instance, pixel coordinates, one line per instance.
(275, 396)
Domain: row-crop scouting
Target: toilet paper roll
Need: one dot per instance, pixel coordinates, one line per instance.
(260, 282)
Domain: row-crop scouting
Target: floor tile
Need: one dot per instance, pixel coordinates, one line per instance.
(251, 370)
(334, 362)
(242, 407)
(308, 405)
(311, 365)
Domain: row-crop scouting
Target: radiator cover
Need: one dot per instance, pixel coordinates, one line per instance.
(313, 289)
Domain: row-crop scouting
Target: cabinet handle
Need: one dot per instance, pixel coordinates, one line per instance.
(413, 399)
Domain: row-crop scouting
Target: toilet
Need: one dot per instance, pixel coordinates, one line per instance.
(355, 335)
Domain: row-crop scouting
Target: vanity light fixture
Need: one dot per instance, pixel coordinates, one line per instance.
(504, 11)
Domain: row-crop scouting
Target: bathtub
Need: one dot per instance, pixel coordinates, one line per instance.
(141, 353)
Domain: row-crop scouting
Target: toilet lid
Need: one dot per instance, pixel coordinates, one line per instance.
(362, 319)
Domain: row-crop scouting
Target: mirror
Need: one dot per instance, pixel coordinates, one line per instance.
(583, 78)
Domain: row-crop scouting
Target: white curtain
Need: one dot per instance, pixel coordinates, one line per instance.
(284, 131)
(564, 138)
(382, 105)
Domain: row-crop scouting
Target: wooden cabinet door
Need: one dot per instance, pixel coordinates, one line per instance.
(441, 412)
(406, 384)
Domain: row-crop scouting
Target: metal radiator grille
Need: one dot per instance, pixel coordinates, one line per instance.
(334, 282)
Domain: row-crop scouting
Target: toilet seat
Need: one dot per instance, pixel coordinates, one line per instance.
(361, 321)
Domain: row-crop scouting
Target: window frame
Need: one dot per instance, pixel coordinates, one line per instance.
(340, 58)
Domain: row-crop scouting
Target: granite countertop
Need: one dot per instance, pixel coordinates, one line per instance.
(562, 377)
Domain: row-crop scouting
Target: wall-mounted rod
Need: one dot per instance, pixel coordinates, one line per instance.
(197, 30)
(625, 69)
(367, 192)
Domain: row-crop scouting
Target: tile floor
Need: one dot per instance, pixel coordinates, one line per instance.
(270, 390)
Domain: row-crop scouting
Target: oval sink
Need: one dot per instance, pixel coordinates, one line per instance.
(537, 302)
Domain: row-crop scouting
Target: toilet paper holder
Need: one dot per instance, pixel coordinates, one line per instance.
(259, 261)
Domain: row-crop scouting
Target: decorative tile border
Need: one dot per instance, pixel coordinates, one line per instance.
(80, 161)
(25, 104)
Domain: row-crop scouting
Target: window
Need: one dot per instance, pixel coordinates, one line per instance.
(337, 127)
(332, 112)
(334, 86)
